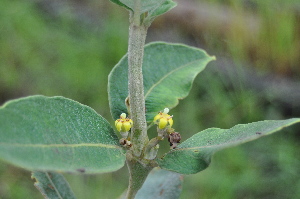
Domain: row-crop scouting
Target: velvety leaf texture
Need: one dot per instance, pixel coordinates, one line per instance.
(165, 7)
(161, 184)
(194, 154)
(169, 71)
(57, 134)
(52, 185)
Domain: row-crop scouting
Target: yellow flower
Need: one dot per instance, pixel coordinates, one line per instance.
(163, 120)
(123, 124)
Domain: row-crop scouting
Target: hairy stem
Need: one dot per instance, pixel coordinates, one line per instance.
(137, 36)
(138, 172)
(138, 168)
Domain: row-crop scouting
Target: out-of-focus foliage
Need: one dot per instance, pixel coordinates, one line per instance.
(62, 51)
(44, 53)
(264, 33)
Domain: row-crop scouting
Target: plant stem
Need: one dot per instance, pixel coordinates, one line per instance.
(137, 37)
(138, 173)
(138, 168)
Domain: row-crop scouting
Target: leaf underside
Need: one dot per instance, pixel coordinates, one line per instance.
(161, 184)
(169, 71)
(194, 154)
(57, 134)
(52, 185)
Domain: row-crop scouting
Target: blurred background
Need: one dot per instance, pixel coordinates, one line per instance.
(68, 47)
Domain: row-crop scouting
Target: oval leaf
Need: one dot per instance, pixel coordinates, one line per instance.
(52, 185)
(57, 134)
(169, 71)
(194, 154)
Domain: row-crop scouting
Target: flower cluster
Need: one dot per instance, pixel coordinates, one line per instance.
(123, 125)
(163, 120)
(164, 123)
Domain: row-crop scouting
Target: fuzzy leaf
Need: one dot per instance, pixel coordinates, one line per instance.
(161, 184)
(52, 185)
(194, 154)
(165, 7)
(57, 134)
(169, 71)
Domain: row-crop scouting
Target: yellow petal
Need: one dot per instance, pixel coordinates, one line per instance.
(126, 126)
(162, 123)
(157, 117)
(131, 122)
(119, 126)
(170, 122)
(116, 122)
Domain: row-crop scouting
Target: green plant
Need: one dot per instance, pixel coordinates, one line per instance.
(50, 135)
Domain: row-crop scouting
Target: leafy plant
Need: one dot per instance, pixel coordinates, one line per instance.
(50, 135)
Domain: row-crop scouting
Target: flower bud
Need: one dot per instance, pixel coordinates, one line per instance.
(163, 120)
(123, 124)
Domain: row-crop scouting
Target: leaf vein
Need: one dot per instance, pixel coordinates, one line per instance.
(62, 145)
(165, 76)
(53, 185)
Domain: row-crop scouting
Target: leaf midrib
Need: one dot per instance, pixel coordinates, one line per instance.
(62, 145)
(53, 185)
(246, 139)
(231, 143)
(165, 76)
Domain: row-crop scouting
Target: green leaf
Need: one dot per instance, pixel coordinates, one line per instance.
(52, 185)
(152, 8)
(161, 184)
(146, 5)
(194, 154)
(120, 4)
(57, 134)
(169, 71)
(165, 7)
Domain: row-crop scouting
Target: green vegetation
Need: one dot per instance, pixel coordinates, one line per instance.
(48, 54)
